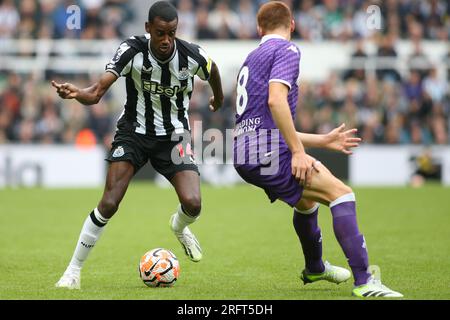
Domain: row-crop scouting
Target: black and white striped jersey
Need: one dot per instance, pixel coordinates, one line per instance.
(158, 92)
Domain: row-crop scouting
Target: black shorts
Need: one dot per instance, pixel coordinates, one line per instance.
(166, 156)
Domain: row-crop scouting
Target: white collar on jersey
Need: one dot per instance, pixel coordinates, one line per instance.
(270, 36)
(147, 35)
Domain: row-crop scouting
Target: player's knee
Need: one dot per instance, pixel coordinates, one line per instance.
(192, 204)
(108, 207)
(305, 205)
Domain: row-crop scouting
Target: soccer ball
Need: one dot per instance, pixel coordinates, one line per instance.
(159, 268)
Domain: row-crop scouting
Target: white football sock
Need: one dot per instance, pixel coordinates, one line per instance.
(93, 228)
(182, 220)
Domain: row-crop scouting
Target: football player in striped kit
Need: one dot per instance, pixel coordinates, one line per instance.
(159, 72)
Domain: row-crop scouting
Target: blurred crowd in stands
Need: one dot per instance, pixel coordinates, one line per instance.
(414, 110)
(47, 19)
(31, 112)
(316, 20)
(386, 106)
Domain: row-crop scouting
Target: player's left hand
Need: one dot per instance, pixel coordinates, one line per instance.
(215, 104)
(343, 141)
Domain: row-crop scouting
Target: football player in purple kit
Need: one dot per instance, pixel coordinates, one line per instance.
(267, 93)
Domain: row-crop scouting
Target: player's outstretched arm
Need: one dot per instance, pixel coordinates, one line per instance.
(216, 101)
(337, 139)
(88, 96)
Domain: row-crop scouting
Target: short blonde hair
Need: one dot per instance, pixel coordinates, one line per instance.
(273, 15)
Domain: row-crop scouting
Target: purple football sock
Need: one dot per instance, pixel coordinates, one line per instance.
(310, 237)
(351, 240)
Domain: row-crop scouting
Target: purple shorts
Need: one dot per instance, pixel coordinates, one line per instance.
(280, 184)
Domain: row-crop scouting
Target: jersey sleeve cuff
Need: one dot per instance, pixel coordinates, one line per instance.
(113, 72)
(281, 81)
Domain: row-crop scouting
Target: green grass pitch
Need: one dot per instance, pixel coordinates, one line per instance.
(250, 248)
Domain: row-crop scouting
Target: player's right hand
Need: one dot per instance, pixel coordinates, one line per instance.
(65, 90)
(215, 104)
(303, 166)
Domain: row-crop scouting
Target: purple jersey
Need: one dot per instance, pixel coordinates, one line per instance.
(261, 156)
(275, 60)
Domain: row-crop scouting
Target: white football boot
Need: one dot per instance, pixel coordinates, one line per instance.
(188, 241)
(331, 273)
(71, 279)
(374, 288)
